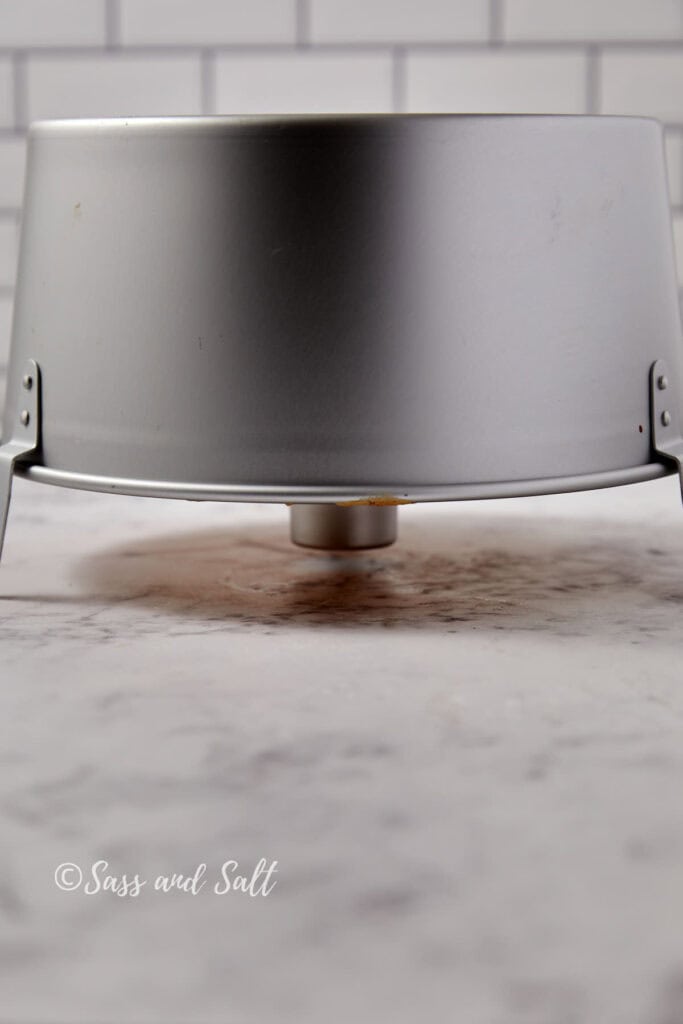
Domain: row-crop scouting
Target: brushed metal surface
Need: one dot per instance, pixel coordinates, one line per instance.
(23, 441)
(343, 528)
(665, 418)
(294, 493)
(449, 305)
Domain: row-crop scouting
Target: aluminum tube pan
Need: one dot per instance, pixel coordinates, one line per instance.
(461, 306)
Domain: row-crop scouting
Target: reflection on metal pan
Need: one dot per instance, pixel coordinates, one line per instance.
(361, 310)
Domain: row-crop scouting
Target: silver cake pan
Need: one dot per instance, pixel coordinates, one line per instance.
(344, 313)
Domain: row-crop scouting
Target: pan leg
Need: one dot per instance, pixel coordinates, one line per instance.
(25, 437)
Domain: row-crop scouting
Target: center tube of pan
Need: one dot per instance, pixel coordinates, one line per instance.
(343, 527)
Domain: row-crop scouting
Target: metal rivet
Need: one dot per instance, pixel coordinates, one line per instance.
(666, 418)
(27, 381)
(662, 382)
(25, 417)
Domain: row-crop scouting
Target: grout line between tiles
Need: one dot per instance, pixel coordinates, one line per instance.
(303, 39)
(398, 80)
(302, 16)
(496, 30)
(112, 29)
(208, 82)
(19, 87)
(593, 81)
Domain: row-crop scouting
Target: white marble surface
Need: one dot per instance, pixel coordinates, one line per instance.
(465, 753)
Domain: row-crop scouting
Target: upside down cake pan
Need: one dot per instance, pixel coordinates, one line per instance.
(344, 313)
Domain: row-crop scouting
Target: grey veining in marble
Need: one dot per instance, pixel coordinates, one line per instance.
(465, 753)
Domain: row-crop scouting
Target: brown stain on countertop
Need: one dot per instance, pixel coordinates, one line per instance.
(449, 573)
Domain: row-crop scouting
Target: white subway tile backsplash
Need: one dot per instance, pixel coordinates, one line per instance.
(207, 22)
(303, 83)
(8, 251)
(501, 82)
(646, 82)
(674, 164)
(6, 93)
(112, 86)
(400, 21)
(52, 23)
(592, 20)
(12, 160)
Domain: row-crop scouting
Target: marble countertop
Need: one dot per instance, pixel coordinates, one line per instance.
(465, 754)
